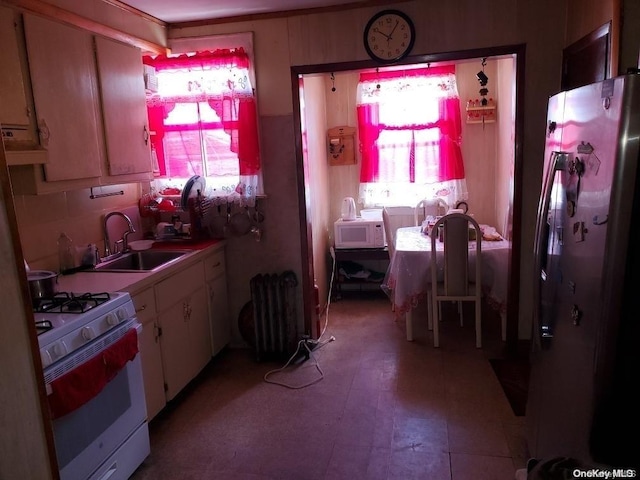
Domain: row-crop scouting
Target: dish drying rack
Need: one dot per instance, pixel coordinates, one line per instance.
(199, 208)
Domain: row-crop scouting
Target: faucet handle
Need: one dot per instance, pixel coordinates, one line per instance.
(118, 246)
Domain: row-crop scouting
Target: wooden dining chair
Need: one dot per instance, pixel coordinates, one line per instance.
(460, 283)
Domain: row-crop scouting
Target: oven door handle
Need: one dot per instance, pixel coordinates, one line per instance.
(109, 473)
(94, 374)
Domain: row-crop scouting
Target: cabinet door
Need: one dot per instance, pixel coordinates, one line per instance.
(13, 100)
(175, 344)
(218, 314)
(150, 353)
(199, 330)
(124, 107)
(151, 357)
(64, 81)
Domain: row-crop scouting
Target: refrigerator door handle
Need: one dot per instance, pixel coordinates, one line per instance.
(557, 161)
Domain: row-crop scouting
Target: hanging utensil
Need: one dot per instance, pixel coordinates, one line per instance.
(217, 224)
(257, 233)
(241, 222)
(227, 230)
(258, 216)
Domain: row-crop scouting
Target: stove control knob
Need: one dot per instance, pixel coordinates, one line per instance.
(122, 314)
(112, 320)
(88, 333)
(59, 349)
(46, 358)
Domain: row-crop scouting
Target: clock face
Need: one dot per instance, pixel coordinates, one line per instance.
(389, 36)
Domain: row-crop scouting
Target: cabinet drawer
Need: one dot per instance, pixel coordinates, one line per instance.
(145, 303)
(178, 286)
(214, 266)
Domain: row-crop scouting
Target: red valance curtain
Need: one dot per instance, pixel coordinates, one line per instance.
(379, 109)
(220, 79)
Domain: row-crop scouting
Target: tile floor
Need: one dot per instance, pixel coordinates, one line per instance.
(385, 409)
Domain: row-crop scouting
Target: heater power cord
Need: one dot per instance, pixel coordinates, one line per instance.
(305, 342)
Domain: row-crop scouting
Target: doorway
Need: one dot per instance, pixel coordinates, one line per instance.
(314, 238)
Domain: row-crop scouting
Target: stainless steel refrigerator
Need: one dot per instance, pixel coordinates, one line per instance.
(585, 360)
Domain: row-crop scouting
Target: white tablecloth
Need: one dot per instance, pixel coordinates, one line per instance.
(409, 270)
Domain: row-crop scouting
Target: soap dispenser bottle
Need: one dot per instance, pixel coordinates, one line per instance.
(66, 251)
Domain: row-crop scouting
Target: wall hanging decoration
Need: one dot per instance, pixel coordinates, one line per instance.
(482, 110)
(341, 141)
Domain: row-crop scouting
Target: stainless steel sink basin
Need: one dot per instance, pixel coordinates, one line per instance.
(143, 261)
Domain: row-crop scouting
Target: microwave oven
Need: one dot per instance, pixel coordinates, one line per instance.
(359, 233)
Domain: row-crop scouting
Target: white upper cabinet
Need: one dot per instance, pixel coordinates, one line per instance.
(124, 109)
(90, 109)
(13, 99)
(65, 90)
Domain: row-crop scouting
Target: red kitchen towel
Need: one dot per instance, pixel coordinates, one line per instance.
(80, 385)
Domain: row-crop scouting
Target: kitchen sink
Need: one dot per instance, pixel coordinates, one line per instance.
(142, 261)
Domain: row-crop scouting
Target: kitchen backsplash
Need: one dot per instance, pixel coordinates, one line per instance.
(41, 218)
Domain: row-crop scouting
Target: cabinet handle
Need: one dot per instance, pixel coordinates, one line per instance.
(145, 135)
(217, 264)
(143, 307)
(44, 132)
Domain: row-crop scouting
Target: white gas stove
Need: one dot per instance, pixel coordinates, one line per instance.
(69, 321)
(93, 378)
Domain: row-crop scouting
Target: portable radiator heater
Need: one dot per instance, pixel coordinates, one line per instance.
(274, 315)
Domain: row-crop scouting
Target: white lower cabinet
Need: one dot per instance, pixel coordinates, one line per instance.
(150, 353)
(218, 311)
(185, 323)
(183, 317)
(215, 273)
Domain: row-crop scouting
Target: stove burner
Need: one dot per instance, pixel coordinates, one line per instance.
(63, 302)
(43, 326)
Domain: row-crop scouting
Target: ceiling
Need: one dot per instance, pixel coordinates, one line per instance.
(171, 11)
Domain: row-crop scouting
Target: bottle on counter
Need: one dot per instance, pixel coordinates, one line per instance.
(66, 253)
(89, 256)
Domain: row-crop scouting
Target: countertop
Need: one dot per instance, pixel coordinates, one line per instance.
(134, 282)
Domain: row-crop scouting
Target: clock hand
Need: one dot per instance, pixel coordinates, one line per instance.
(383, 34)
(393, 30)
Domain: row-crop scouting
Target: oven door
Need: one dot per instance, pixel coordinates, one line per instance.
(87, 437)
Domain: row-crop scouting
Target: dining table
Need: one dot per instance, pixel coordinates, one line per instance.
(408, 277)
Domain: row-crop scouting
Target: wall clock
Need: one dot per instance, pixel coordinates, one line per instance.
(389, 36)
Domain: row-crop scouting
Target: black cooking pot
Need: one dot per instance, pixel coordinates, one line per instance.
(42, 284)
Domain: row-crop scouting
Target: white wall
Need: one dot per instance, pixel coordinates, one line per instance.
(505, 151)
(315, 152)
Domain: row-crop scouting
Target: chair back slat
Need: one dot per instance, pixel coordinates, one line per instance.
(459, 283)
(456, 256)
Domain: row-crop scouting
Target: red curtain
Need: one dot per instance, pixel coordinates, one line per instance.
(368, 133)
(235, 105)
(370, 125)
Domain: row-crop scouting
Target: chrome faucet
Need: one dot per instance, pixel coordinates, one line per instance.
(123, 240)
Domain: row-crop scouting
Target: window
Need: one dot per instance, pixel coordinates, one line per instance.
(409, 130)
(203, 119)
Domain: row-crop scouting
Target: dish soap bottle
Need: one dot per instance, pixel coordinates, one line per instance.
(66, 251)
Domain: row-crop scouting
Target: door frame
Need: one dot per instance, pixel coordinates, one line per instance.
(304, 212)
